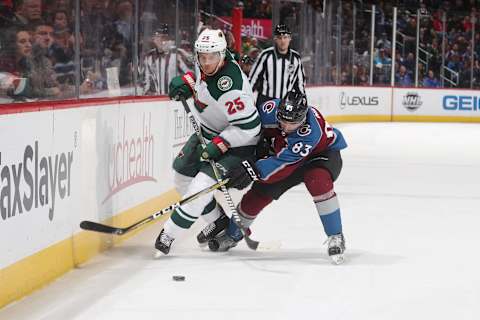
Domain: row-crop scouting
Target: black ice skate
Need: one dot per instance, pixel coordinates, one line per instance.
(163, 242)
(227, 240)
(223, 242)
(212, 229)
(336, 248)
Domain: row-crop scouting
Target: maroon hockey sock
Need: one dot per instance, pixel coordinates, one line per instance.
(252, 203)
(319, 182)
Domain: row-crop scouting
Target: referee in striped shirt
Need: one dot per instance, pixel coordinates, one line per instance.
(278, 69)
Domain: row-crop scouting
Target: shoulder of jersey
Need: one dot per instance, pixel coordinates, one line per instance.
(268, 112)
(311, 130)
(295, 52)
(226, 79)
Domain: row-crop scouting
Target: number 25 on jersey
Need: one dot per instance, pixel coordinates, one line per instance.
(234, 106)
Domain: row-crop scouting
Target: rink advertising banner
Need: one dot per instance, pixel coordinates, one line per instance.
(436, 105)
(352, 103)
(109, 163)
(255, 28)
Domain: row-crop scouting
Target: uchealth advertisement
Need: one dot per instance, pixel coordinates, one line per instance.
(255, 28)
(60, 167)
(432, 102)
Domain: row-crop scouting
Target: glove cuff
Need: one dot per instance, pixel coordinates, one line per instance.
(189, 79)
(221, 144)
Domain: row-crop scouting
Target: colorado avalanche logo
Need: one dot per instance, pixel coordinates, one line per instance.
(268, 107)
(304, 130)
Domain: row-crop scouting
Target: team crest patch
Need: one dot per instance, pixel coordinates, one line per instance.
(304, 130)
(224, 83)
(268, 106)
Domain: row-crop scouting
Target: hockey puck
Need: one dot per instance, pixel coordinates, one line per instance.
(178, 278)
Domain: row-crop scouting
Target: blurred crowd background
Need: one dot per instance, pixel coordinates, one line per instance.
(64, 49)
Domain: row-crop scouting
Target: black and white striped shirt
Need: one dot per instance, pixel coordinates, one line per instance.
(274, 74)
(159, 70)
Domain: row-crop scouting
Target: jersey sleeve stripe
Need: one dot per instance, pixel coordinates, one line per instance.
(244, 118)
(209, 129)
(249, 125)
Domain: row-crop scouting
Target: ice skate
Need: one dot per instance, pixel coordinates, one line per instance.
(227, 240)
(212, 229)
(163, 242)
(336, 248)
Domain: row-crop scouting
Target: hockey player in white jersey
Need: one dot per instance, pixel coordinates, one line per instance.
(225, 110)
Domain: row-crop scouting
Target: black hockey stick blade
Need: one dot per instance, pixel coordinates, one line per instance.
(252, 244)
(99, 227)
(103, 228)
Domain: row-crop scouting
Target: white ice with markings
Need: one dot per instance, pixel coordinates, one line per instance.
(410, 200)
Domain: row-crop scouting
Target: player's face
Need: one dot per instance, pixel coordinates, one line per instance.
(289, 127)
(209, 62)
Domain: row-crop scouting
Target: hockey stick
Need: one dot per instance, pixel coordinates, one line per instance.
(103, 228)
(252, 244)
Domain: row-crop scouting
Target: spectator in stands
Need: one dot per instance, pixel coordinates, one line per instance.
(430, 81)
(28, 12)
(60, 21)
(94, 19)
(402, 78)
(409, 63)
(246, 64)
(43, 36)
(62, 53)
(15, 60)
(119, 39)
(231, 45)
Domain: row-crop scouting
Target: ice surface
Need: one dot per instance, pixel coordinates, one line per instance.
(410, 199)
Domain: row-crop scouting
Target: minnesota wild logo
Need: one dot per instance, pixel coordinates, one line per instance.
(224, 83)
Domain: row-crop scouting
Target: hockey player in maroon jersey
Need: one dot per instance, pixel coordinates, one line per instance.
(304, 148)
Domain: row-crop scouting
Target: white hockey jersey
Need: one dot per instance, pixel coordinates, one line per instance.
(224, 105)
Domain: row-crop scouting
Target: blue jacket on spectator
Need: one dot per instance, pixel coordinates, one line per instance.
(431, 82)
(403, 80)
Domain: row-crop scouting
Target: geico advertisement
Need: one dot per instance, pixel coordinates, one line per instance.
(464, 103)
(350, 100)
(436, 102)
(36, 179)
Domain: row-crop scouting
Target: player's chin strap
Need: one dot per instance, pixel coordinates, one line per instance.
(252, 244)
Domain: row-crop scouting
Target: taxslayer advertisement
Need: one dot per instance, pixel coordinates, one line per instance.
(38, 181)
(59, 167)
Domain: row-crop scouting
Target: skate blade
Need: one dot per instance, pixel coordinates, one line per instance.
(158, 254)
(269, 246)
(338, 258)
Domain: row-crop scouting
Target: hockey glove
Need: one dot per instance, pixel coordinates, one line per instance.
(241, 176)
(263, 148)
(181, 86)
(214, 149)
